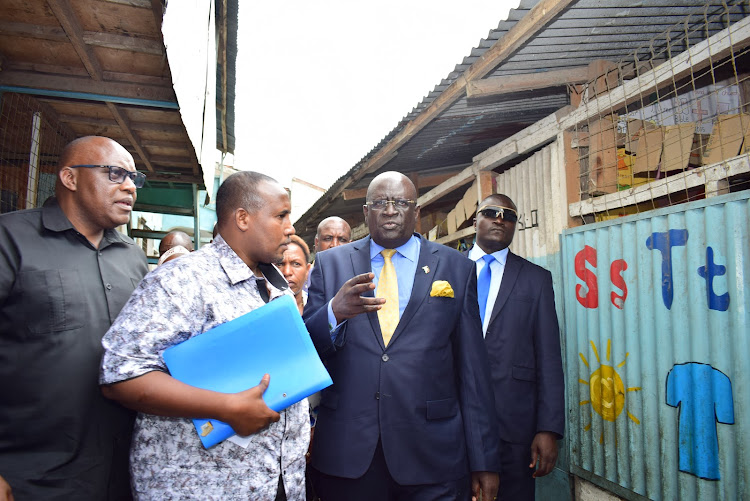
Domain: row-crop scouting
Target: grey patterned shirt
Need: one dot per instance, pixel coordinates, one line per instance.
(179, 300)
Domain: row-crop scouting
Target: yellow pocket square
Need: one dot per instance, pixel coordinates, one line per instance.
(441, 288)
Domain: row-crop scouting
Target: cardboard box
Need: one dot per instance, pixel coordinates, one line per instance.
(603, 140)
(470, 201)
(633, 128)
(625, 177)
(460, 213)
(678, 141)
(648, 154)
(451, 221)
(726, 138)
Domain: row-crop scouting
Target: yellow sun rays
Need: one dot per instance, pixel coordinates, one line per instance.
(606, 389)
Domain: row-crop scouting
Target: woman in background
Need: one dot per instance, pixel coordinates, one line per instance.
(294, 265)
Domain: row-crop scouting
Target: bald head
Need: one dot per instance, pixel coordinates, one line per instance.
(391, 212)
(394, 178)
(95, 187)
(332, 232)
(174, 239)
(89, 150)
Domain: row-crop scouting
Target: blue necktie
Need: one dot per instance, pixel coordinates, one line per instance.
(483, 284)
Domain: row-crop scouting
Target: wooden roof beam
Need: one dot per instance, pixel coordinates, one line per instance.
(422, 181)
(67, 19)
(95, 38)
(141, 126)
(498, 86)
(81, 72)
(125, 92)
(124, 124)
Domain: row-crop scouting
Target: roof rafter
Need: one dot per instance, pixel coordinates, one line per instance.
(69, 22)
(498, 86)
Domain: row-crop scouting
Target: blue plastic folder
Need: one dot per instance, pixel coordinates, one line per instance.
(233, 357)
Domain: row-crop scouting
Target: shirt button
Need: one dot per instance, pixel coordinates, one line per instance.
(109, 287)
(100, 253)
(385, 357)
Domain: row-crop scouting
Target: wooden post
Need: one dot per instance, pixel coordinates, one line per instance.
(414, 176)
(485, 185)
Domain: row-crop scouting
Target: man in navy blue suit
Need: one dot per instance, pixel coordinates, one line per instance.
(410, 415)
(522, 337)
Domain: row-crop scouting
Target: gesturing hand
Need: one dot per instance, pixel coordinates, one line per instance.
(248, 413)
(349, 301)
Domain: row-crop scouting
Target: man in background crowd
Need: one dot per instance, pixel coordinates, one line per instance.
(174, 244)
(65, 273)
(332, 232)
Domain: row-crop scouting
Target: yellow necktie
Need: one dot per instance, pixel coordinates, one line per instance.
(388, 289)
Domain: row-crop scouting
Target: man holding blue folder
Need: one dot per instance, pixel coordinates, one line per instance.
(183, 299)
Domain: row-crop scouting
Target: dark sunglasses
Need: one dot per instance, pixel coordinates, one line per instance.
(495, 211)
(118, 174)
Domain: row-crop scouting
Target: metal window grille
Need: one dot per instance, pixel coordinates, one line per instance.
(31, 140)
(671, 122)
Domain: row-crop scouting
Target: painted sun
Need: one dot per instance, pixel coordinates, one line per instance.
(606, 389)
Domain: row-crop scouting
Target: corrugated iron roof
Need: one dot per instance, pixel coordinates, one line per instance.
(585, 31)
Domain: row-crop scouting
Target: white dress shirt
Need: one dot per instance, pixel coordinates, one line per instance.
(497, 267)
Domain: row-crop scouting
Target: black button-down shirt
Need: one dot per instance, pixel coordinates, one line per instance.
(59, 437)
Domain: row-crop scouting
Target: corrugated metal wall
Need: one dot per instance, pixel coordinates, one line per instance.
(537, 186)
(657, 349)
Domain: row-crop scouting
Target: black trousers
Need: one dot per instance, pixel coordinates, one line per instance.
(516, 481)
(377, 484)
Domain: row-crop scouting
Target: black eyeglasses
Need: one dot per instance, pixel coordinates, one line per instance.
(495, 211)
(118, 174)
(399, 204)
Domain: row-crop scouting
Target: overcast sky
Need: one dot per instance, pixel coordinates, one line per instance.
(320, 83)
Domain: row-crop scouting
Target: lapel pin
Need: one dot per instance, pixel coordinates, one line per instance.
(426, 269)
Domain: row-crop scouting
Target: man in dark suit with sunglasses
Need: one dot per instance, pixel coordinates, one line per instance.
(517, 307)
(65, 273)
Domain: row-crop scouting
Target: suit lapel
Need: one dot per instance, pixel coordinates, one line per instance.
(361, 264)
(510, 275)
(421, 287)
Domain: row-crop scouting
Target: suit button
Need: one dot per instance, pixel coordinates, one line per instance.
(385, 357)
(377, 395)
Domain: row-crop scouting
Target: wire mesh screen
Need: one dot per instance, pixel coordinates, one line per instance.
(31, 140)
(682, 131)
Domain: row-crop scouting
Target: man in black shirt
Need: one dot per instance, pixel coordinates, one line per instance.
(65, 273)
